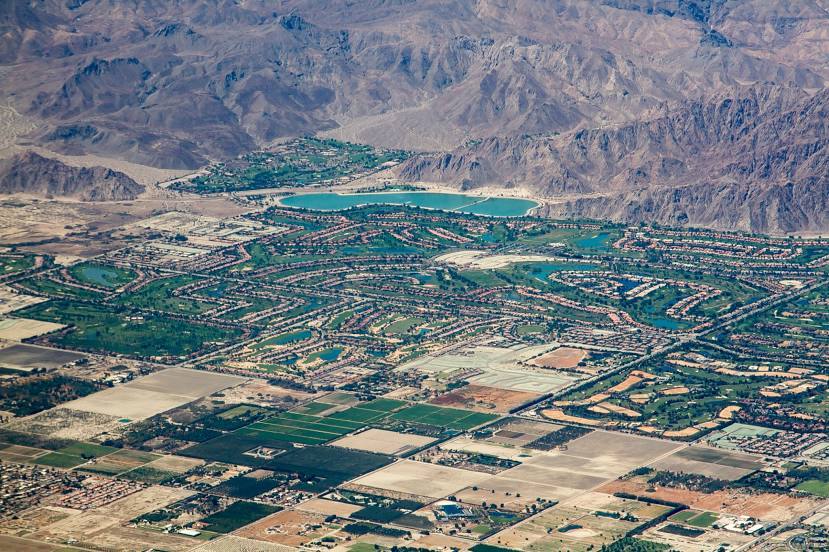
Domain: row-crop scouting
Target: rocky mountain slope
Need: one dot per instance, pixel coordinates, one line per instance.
(753, 159)
(34, 174)
(176, 83)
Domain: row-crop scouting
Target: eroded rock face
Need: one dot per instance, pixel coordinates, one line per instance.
(565, 96)
(753, 159)
(34, 174)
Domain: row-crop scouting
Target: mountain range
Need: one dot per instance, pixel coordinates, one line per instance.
(699, 112)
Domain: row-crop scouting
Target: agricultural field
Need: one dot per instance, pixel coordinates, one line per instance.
(411, 369)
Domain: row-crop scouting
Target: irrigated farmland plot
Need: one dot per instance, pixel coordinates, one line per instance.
(450, 418)
(301, 428)
(310, 429)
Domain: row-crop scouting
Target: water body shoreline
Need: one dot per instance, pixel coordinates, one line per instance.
(443, 201)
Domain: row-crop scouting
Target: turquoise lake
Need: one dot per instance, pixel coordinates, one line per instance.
(459, 203)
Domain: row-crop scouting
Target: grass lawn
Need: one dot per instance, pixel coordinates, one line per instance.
(815, 487)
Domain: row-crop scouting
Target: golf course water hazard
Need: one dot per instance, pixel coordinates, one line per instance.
(459, 203)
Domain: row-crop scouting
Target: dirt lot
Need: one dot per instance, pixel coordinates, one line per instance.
(384, 442)
(514, 494)
(482, 398)
(328, 507)
(260, 392)
(182, 381)
(619, 448)
(563, 358)
(128, 402)
(11, 300)
(288, 527)
(87, 229)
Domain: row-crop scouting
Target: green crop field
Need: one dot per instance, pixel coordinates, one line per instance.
(450, 418)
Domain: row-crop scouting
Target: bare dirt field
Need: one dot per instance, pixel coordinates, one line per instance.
(143, 501)
(619, 448)
(183, 381)
(81, 229)
(288, 527)
(563, 357)
(66, 423)
(328, 507)
(384, 442)
(232, 543)
(436, 541)
(18, 544)
(560, 474)
(764, 506)
(262, 393)
(514, 494)
(175, 464)
(482, 398)
(420, 478)
(18, 329)
(710, 462)
(488, 447)
(155, 393)
(27, 357)
(128, 402)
